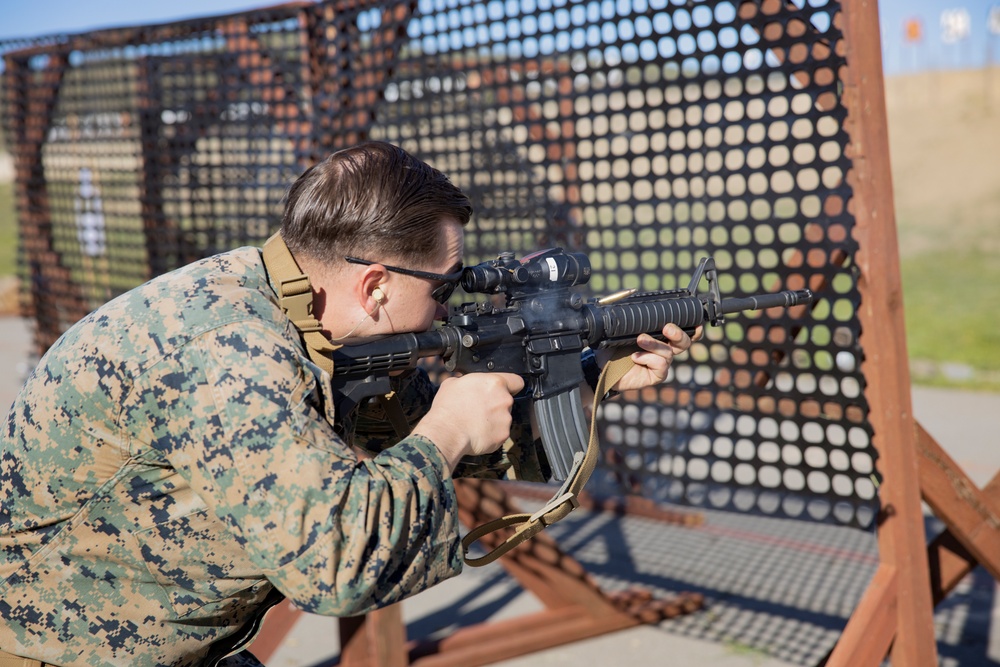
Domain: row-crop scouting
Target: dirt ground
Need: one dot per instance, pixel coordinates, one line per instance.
(944, 142)
(8, 296)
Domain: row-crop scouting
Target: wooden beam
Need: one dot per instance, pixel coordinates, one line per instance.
(539, 565)
(486, 644)
(902, 544)
(278, 622)
(971, 515)
(869, 631)
(950, 561)
(377, 639)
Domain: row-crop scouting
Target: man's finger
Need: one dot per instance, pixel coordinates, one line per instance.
(512, 381)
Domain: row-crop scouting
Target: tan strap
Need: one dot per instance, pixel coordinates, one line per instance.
(296, 299)
(565, 499)
(11, 660)
(394, 411)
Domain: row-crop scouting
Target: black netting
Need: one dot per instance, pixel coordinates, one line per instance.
(647, 133)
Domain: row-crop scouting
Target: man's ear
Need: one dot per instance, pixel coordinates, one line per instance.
(372, 291)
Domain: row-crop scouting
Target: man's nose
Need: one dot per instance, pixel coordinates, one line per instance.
(441, 313)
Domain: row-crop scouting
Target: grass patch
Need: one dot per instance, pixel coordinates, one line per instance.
(8, 231)
(951, 303)
(756, 655)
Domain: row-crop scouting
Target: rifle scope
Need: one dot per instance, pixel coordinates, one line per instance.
(545, 270)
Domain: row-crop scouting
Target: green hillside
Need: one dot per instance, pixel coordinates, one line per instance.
(8, 230)
(944, 134)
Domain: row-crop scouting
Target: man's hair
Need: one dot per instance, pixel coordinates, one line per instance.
(373, 201)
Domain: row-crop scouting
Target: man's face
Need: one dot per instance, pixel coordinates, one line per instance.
(409, 304)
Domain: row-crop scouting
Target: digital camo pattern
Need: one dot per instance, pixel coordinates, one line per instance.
(171, 468)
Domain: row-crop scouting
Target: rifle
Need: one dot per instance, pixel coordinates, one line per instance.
(539, 333)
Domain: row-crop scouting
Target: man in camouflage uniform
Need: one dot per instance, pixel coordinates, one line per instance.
(174, 467)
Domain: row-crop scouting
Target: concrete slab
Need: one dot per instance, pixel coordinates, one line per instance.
(966, 424)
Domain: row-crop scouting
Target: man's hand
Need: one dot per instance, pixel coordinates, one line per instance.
(470, 414)
(653, 361)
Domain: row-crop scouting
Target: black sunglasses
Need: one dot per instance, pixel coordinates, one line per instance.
(441, 293)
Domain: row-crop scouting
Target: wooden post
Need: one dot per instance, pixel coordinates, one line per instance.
(377, 639)
(897, 604)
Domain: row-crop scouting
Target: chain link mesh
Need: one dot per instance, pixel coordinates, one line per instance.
(646, 133)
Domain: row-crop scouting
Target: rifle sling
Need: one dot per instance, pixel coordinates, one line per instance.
(565, 499)
(11, 660)
(296, 299)
(394, 411)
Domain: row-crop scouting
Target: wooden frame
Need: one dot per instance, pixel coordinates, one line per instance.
(896, 609)
(896, 612)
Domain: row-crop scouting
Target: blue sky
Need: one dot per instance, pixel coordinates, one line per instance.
(21, 18)
(40, 17)
(932, 52)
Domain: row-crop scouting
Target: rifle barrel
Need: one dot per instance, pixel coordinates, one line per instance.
(784, 299)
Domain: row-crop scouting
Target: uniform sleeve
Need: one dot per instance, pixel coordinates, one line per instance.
(336, 535)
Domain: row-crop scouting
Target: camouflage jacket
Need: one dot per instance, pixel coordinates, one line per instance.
(171, 469)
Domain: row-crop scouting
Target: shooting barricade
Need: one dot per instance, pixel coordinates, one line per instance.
(644, 132)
